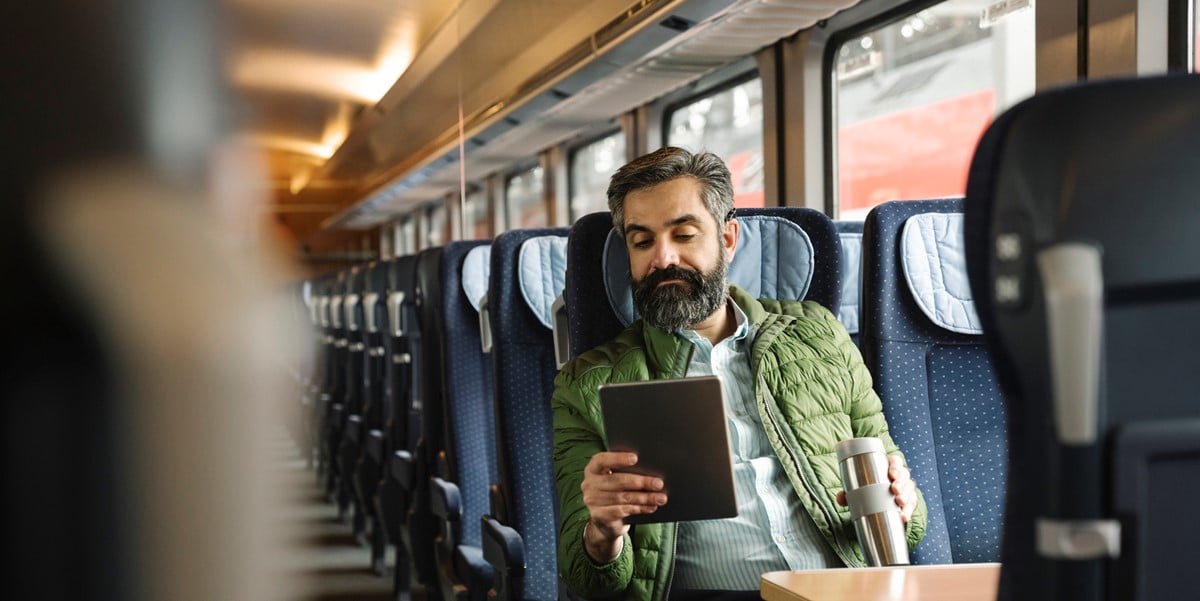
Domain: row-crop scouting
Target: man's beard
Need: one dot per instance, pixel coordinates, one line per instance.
(678, 306)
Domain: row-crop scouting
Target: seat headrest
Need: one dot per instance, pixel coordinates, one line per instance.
(774, 259)
(935, 270)
(476, 268)
(851, 272)
(542, 271)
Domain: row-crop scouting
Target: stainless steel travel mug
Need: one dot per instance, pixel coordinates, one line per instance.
(864, 465)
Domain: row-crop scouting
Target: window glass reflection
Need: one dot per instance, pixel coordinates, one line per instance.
(524, 199)
(914, 96)
(728, 124)
(591, 167)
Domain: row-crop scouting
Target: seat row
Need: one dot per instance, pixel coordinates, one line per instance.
(433, 432)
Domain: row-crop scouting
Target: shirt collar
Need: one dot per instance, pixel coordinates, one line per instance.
(740, 333)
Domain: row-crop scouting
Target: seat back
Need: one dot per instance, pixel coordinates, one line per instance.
(783, 252)
(1082, 234)
(850, 236)
(470, 421)
(374, 327)
(403, 341)
(921, 340)
(527, 274)
(428, 403)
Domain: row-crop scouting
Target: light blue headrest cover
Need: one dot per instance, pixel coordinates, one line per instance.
(935, 270)
(477, 266)
(774, 259)
(542, 271)
(851, 280)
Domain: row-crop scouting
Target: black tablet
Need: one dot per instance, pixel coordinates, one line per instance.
(678, 430)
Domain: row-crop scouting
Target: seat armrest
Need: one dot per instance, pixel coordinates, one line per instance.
(375, 444)
(445, 501)
(505, 550)
(472, 569)
(404, 469)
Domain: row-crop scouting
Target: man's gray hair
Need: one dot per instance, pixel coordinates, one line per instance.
(668, 163)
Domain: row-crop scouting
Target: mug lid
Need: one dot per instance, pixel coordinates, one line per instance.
(857, 446)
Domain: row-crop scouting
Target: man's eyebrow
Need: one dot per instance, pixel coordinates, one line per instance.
(681, 220)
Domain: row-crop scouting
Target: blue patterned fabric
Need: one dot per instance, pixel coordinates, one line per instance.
(471, 448)
(850, 236)
(524, 369)
(785, 252)
(939, 394)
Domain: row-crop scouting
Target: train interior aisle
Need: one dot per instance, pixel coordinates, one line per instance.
(322, 556)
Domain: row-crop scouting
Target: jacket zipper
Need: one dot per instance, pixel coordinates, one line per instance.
(834, 520)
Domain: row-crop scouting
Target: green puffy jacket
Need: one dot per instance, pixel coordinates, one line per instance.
(811, 388)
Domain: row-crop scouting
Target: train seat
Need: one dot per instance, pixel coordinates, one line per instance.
(398, 442)
(335, 411)
(850, 236)
(783, 252)
(1081, 230)
(351, 420)
(369, 466)
(467, 467)
(527, 275)
(428, 401)
(921, 340)
(323, 376)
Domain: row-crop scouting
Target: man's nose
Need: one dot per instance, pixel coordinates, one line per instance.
(665, 255)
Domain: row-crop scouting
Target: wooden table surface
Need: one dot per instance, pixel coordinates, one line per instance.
(954, 582)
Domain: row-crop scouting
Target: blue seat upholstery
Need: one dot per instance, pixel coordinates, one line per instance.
(850, 236)
(428, 402)
(469, 466)
(1082, 243)
(939, 392)
(782, 252)
(527, 273)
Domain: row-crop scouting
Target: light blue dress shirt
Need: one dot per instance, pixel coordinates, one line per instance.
(772, 530)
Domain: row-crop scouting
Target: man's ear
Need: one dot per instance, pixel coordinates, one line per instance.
(729, 237)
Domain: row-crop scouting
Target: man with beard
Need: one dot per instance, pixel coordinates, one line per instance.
(795, 385)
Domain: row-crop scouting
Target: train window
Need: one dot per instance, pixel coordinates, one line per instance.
(435, 225)
(591, 167)
(914, 95)
(475, 216)
(523, 193)
(1195, 35)
(406, 237)
(728, 123)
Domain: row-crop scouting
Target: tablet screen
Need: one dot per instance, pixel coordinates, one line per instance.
(679, 431)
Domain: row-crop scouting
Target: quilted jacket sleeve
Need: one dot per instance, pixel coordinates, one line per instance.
(866, 410)
(578, 436)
